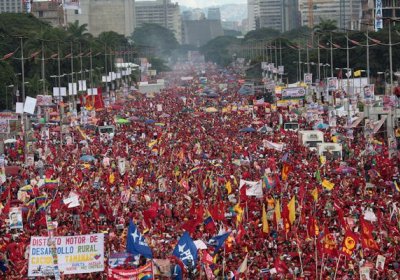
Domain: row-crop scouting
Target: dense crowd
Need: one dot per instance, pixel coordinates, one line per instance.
(184, 164)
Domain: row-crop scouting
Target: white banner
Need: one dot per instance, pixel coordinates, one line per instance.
(82, 85)
(59, 91)
(15, 217)
(72, 88)
(252, 188)
(295, 92)
(271, 145)
(30, 105)
(76, 254)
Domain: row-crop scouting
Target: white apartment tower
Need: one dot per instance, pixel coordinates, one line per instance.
(11, 6)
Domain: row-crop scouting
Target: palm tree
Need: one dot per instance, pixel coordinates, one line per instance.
(325, 25)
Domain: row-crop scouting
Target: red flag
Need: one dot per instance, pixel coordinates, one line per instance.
(367, 240)
(354, 42)
(68, 55)
(329, 244)
(54, 55)
(336, 46)
(7, 56)
(35, 54)
(321, 46)
(280, 266)
(206, 258)
(349, 243)
(375, 41)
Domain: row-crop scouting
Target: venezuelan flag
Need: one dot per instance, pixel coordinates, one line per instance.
(145, 275)
(196, 169)
(396, 186)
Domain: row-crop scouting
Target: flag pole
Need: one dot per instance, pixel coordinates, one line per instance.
(223, 265)
(315, 239)
(299, 251)
(322, 266)
(337, 266)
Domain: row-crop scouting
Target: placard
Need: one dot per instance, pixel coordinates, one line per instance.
(4, 127)
(15, 217)
(76, 255)
(44, 100)
(59, 91)
(82, 85)
(72, 88)
(30, 105)
(295, 92)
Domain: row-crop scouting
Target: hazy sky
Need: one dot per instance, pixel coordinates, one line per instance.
(206, 3)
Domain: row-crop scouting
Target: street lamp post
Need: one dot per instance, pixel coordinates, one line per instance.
(7, 87)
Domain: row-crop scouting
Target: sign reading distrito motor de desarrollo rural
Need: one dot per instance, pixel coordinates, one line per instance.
(75, 254)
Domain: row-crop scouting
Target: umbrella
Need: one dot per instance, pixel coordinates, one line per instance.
(265, 129)
(159, 124)
(122, 121)
(10, 141)
(321, 126)
(212, 95)
(187, 110)
(134, 118)
(149, 121)
(211, 110)
(87, 158)
(165, 115)
(247, 129)
(345, 169)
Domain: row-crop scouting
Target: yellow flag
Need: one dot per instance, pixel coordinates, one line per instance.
(239, 212)
(265, 221)
(111, 178)
(152, 143)
(314, 194)
(277, 211)
(357, 73)
(327, 185)
(322, 159)
(139, 181)
(292, 210)
(228, 187)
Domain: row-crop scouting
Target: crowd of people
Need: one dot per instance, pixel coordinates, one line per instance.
(185, 155)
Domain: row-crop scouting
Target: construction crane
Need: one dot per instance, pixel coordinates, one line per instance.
(311, 14)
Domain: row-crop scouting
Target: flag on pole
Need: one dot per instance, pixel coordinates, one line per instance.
(243, 266)
(228, 187)
(265, 221)
(277, 211)
(314, 194)
(186, 250)
(292, 210)
(7, 56)
(357, 73)
(135, 243)
(328, 185)
(218, 241)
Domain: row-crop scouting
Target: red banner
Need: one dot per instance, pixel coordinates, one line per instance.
(349, 243)
(141, 273)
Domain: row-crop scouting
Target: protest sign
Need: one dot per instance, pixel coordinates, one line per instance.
(144, 272)
(15, 217)
(76, 254)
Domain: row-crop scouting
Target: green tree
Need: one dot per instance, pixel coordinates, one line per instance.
(157, 37)
(217, 50)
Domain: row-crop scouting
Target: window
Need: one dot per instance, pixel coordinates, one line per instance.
(40, 14)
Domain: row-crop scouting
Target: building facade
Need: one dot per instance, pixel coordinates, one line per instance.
(281, 15)
(390, 9)
(49, 11)
(161, 12)
(214, 14)
(105, 15)
(346, 13)
(199, 32)
(11, 6)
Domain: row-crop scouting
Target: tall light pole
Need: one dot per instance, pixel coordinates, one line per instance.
(22, 69)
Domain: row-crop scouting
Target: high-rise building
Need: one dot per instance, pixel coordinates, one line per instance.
(390, 9)
(49, 11)
(346, 13)
(214, 14)
(105, 15)
(11, 6)
(281, 15)
(199, 32)
(161, 12)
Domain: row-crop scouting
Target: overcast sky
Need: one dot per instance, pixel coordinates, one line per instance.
(206, 3)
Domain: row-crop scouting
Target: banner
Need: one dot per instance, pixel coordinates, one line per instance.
(378, 15)
(369, 93)
(308, 78)
(44, 100)
(141, 273)
(8, 116)
(295, 92)
(4, 127)
(271, 145)
(332, 83)
(76, 254)
(71, 4)
(15, 217)
(252, 188)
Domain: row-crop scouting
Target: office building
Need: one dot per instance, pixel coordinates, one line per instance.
(11, 6)
(281, 15)
(199, 32)
(161, 12)
(390, 9)
(214, 14)
(105, 15)
(346, 13)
